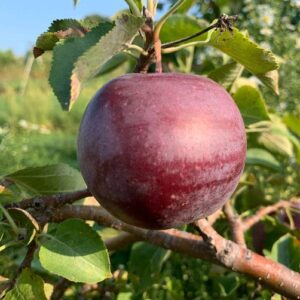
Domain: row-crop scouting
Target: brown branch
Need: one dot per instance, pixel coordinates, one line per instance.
(264, 211)
(214, 217)
(144, 61)
(52, 201)
(121, 241)
(213, 248)
(236, 224)
(60, 288)
(25, 264)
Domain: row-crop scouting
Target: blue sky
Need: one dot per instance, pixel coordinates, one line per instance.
(21, 21)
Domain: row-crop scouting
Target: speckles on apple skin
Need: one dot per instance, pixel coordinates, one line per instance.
(161, 150)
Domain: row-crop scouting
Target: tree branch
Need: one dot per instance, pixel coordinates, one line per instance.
(60, 288)
(236, 225)
(25, 264)
(264, 211)
(121, 241)
(52, 201)
(213, 248)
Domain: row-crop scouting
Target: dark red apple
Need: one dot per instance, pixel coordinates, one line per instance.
(161, 150)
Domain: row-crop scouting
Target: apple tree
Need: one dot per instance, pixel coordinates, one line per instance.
(186, 212)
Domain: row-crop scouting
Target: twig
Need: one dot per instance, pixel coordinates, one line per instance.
(60, 288)
(145, 60)
(224, 22)
(180, 41)
(121, 241)
(264, 211)
(25, 264)
(213, 248)
(236, 224)
(52, 201)
(214, 217)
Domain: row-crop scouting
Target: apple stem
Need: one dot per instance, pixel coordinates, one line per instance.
(156, 33)
(157, 50)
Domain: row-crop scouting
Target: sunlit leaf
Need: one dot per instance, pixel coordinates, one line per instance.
(48, 179)
(251, 104)
(263, 158)
(76, 252)
(286, 251)
(28, 286)
(145, 264)
(227, 74)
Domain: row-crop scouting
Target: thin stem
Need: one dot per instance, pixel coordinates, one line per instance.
(157, 29)
(174, 49)
(151, 7)
(236, 225)
(133, 7)
(264, 211)
(180, 41)
(10, 220)
(136, 48)
(8, 244)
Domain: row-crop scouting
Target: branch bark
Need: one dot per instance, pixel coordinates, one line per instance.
(236, 224)
(212, 247)
(52, 201)
(25, 264)
(264, 211)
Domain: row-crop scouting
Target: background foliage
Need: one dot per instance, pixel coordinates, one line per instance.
(34, 131)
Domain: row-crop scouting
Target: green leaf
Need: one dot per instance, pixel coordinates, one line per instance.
(227, 74)
(179, 26)
(125, 296)
(113, 63)
(135, 6)
(59, 29)
(79, 59)
(186, 6)
(261, 62)
(28, 286)
(263, 158)
(270, 79)
(75, 2)
(286, 251)
(293, 123)
(76, 252)
(65, 54)
(46, 41)
(278, 139)
(251, 105)
(91, 62)
(65, 24)
(145, 264)
(139, 4)
(25, 222)
(45, 180)
(254, 58)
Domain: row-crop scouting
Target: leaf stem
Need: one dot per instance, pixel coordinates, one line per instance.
(180, 41)
(133, 7)
(8, 244)
(10, 220)
(151, 7)
(196, 43)
(136, 48)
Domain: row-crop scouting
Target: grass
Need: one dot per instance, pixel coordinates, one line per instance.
(34, 131)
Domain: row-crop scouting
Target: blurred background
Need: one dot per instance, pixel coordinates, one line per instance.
(34, 131)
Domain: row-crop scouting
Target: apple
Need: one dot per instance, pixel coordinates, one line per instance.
(161, 150)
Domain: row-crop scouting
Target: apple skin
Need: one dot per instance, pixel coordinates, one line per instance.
(161, 150)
